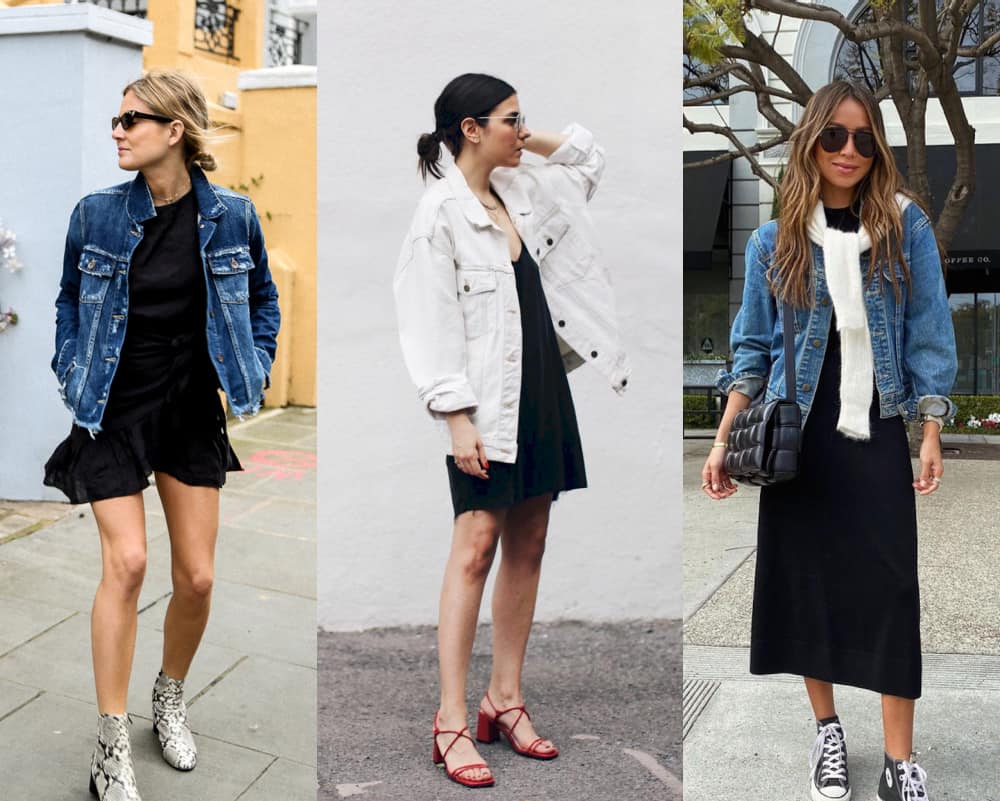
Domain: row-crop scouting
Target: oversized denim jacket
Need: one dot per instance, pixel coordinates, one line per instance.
(913, 340)
(242, 315)
(456, 295)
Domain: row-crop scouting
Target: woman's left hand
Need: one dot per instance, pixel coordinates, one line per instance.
(931, 463)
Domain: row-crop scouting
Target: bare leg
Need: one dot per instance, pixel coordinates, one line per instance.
(122, 526)
(897, 724)
(821, 698)
(193, 521)
(522, 546)
(473, 546)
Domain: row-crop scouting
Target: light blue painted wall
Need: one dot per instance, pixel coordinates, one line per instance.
(58, 91)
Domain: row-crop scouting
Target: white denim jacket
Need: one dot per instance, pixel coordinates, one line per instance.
(456, 298)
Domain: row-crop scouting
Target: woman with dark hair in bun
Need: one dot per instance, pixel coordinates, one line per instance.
(165, 299)
(500, 290)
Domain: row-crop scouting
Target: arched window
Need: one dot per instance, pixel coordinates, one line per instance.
(979, 76)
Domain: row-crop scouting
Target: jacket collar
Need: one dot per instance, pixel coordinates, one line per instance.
(139, 203)
(515, 199)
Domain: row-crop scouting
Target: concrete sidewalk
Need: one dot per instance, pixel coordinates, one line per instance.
(748, 737)
(252, 689)
(608, 695)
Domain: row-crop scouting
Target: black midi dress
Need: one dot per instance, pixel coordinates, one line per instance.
(163, 410)
(835, 591)
(549, 453)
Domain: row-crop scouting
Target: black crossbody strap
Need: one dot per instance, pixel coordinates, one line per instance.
(788, 330)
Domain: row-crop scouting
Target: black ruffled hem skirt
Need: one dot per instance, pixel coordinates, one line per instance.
(184, 437)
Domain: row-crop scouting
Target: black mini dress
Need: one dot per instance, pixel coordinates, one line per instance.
(164, 413)
(549, 453)
(835, 592)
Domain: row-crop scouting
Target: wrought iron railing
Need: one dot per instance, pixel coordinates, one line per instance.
(135, 8)
(215, 26)
(284, 39)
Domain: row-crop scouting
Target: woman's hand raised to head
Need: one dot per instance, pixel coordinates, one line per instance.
(467, 446)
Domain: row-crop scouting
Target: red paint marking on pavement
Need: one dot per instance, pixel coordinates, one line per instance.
(281, 465)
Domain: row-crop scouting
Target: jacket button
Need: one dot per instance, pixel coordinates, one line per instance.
(562, 323)
(817, 343)
(624, 382)
(466, 287)
(90, 264)
(538, 251)
(593, 354)
(807, 387)
(218, 357)
(211, 313)
(233, 263)
(826, 301)
(548, 242)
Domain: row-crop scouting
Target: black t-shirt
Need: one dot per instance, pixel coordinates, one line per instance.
(165, 327)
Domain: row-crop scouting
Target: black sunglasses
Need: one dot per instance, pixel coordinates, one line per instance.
(833, 138)
(127, 120)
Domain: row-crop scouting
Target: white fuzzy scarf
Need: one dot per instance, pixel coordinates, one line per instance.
(842, 261)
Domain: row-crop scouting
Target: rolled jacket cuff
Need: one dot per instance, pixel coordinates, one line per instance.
(575, 149)
(449, 394)
(936, 406)
(745, 383)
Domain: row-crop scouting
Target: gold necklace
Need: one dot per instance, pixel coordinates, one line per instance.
(492, 211)
(166, 201)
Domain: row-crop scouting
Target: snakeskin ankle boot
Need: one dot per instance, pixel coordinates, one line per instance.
(171, 725)
(111, 775)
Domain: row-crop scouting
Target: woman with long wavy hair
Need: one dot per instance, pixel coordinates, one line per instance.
(835, 594)
(165, 298)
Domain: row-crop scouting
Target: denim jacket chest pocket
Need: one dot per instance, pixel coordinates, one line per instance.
(477, 295)
(97, 270)
(561, 253)
(230, 271)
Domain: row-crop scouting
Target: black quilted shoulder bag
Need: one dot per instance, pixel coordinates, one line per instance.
(763, 444)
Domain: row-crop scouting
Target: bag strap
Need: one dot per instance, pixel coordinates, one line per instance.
(788, 316)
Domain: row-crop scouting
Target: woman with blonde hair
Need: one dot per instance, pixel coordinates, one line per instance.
(499, 289)
(835, 595)
(165, 298)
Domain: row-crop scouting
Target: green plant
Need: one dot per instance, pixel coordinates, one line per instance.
(247, 189)
(697, 411)
(978, 407)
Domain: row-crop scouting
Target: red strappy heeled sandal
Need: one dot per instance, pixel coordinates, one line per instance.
(457, 775)
(488, 729)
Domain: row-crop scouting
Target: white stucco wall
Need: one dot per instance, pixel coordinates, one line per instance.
(384, 509)
(62, 69)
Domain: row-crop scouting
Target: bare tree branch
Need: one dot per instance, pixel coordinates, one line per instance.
(744, 151)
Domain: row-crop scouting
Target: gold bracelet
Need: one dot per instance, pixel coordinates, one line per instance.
(720, 445)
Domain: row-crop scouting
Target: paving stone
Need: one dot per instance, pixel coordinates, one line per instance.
(60, 661)
(286, 780)
(260, 622)
(267, 561)
(264, 705)
(23, 620)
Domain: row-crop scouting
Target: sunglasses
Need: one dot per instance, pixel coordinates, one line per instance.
(517, 121)
(833, 138)
(127, 120)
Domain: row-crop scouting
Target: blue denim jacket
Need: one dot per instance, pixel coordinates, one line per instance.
(242, 316)
(913, 341)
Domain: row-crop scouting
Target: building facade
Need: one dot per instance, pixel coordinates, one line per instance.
(725, 202)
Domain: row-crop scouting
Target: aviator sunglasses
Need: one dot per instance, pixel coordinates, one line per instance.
(127, 120)
(833, 138)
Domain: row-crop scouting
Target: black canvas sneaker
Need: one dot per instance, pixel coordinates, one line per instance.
(902, 781)
(828, 763)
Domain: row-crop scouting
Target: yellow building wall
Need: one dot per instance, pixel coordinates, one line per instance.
(253, 140)
(283, 157)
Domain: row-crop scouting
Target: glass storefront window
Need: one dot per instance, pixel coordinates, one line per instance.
(976, 317)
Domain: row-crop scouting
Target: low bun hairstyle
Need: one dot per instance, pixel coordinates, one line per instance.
(174, 94)
(469, 95)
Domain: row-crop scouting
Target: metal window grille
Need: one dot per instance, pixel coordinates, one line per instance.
(134, 8)
(284, 39)
(215, 26)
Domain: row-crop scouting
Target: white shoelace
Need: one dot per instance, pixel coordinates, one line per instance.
(829, 748)
(911, 781)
